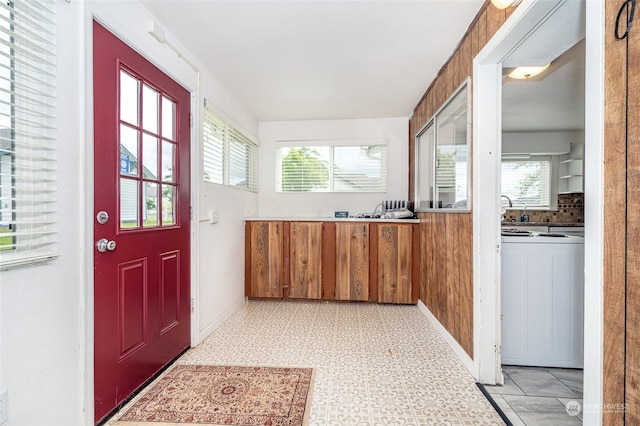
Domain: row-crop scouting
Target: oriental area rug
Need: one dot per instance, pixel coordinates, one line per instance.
(224, 395)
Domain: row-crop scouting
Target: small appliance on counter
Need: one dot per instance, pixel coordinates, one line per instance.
(391, 209)
(397, 209)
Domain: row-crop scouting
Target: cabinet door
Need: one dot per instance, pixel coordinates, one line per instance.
(305, 260)
(352, 261)
(395, 267)
(264, 260)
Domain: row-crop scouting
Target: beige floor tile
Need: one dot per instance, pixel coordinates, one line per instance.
(375, 364)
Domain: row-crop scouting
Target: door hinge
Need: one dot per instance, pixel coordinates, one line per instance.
(190, 212)
(193, 305)
(192, 120)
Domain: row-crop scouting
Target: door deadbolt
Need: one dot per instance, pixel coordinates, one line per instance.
(104, 245)
(102, 217)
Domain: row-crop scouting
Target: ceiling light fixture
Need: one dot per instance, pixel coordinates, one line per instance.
(503, 4)
(522, 73)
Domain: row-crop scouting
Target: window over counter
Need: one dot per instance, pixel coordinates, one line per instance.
(442, 157)
(331, 166)
(230, 158)
(528, 182)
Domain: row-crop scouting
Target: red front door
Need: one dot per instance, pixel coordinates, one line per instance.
(141, 256)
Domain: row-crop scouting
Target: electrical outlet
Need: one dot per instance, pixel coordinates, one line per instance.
(214, 216)
(3, 407)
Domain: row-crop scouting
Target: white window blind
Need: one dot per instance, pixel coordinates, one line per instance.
(527, 182)
(230, 158)
(333, 167)
(28, 145)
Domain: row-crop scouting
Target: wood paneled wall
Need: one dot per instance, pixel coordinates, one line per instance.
(446, 287)
(447, 238)
(621, 378)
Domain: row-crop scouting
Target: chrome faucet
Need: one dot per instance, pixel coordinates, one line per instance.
(508, 199)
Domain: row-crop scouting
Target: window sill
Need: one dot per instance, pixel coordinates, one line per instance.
(14, 260)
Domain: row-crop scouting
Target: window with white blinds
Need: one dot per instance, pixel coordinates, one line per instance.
(230, 158)
(28, 145)
(527, 182)
(331, 167)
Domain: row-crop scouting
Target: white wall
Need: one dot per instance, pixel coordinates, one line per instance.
(46, 311)
(42, 307)
(394, 130)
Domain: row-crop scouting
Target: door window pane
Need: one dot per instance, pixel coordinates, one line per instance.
(129, 96)
(168, 197)
(150, 157)
(150, 207)
(168, 161)
(128, 151)
(129, 203)
(149, 109)
(168, 119)
(148, 152)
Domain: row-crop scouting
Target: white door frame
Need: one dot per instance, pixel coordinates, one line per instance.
(487, 125)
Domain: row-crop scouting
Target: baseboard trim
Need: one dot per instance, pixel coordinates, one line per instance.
(453, 344)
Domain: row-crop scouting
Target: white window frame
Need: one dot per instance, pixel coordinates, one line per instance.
(331, 145)
(222, 157)
(430, 149)
(553, 181)
(28, 109)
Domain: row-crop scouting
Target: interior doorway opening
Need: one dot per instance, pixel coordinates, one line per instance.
(529, 34)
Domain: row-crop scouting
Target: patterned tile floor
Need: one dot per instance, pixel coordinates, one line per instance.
(375, 364)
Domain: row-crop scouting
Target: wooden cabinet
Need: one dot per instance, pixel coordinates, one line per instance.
(352, 261)
(264, 259)
(333, 260)
(304, 260)
(396, 263)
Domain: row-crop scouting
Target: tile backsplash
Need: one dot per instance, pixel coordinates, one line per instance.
(570, 210)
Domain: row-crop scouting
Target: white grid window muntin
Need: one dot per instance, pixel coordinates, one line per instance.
(229, 157)
(28, 144)
(331, 166)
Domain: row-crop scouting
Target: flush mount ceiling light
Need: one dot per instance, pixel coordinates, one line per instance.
(522, 73)
(503, 4)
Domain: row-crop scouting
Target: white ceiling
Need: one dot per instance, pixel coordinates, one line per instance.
(321, 59)
(551, 101)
